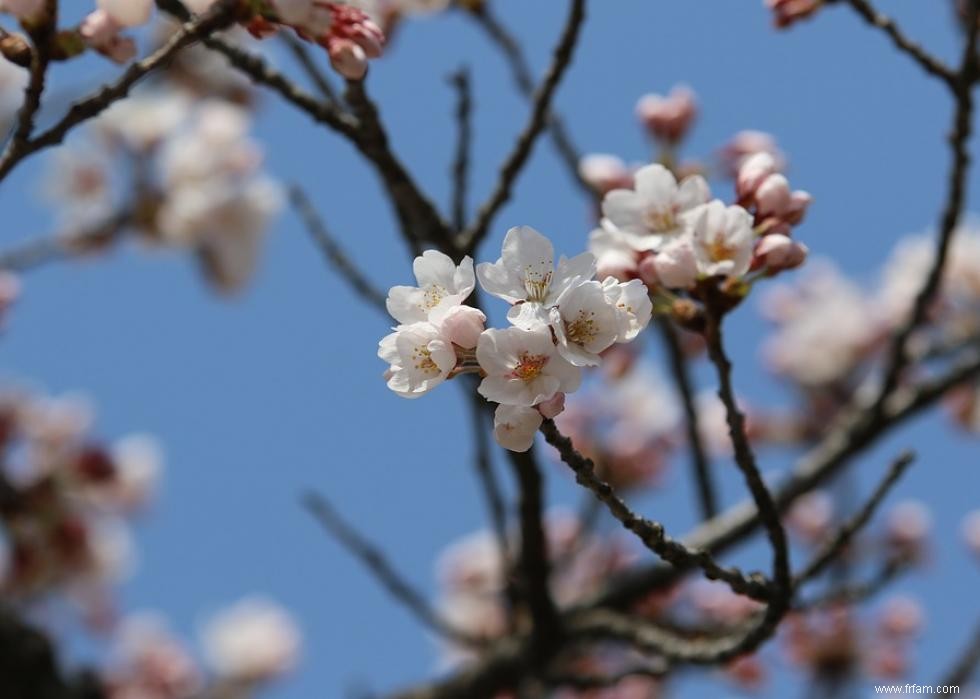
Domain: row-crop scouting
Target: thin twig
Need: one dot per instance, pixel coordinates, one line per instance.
(650, 533)
(521, 72)
(962, 85)
(464, 145)
(219, 16)
(376, 562)
(40, 251)
(928, 62)
(333, 253)
(965, 666)
(541, 104)
(700, 465)
(851, 594)
(836, 544)
(312, 69)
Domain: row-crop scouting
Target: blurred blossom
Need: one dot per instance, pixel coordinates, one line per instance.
(907, 528)
(605, 172)
(901, 617)
(745, 144)
(251, 642)
(150, 663)
(668, 118)
(811, 517)
(971, 532)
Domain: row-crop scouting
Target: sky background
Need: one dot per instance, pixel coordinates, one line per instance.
(258, 398)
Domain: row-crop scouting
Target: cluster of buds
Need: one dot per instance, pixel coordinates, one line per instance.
(349, 35)
(561, 318)
(246, 646)
(64, 497)
(198, 182)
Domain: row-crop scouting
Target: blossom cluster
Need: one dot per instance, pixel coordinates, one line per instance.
(185, 173)
(66, 497)
(561, 320)
(246, 646)
(348, 34)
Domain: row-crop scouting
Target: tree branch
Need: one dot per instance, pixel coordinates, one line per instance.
(464, 143)
(541, 103)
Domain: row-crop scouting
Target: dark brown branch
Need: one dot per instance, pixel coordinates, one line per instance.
(219, 16)
(833, 548)
(376, 562)
(333, 253)
(965, 666)
(962, 85)
(926, 61)
(464, 144)
(521, 72)
(707, 497)
(29, 668)
(541, 104)
(650, 533)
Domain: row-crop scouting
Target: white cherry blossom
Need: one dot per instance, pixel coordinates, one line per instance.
(654, 212)
(631, 303)
(723, 239)
(585, 323)
(253, 641)
(420, 357)
(515, 426)
(523, 367)
(525, 275)
(442, 285)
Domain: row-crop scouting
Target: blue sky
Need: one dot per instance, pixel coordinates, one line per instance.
(258, 398)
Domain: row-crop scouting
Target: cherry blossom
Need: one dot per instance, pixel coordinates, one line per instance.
(441, 285)
(723, 239)
(788, 12)
(421, 358)
(654, 212)
(970, 529)
(585, 321)
(523, 367)
(605, 172)
(669, 118)
(526, 276)
(515, 426)
(253, 641)
(631, 303)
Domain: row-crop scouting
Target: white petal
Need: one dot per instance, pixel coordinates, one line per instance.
(515, 427)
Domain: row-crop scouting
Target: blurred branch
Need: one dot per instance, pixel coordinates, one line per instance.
(926, 61)
(541, 103)
(333, 253)
(682, 380)
(833, 548)
(376, 562)
(854, 593)
(965, 666)
(460, 80)
(962, 84)
(521, 72)
(651, 533)
(220, 15)
(40, 251)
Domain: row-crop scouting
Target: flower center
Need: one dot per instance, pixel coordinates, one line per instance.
(583, 329)
(537, 281)
(434, 294)
(660, 220)
(719, 250)
(529, 366)
(422, 359)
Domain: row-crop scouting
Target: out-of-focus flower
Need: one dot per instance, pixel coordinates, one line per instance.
(23, 9)
(777, 252)
(605, 172)
(744, 145)
(151, 664)
(907, 528)
(811, 517)
(251, 642)
(971, 531)
(900, 618)
(788, 12)
(668, 119)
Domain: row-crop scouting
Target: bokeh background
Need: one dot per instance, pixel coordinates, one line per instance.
(260, 397)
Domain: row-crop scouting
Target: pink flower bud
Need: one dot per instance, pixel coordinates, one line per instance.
(676, 266)
(753, 171)
(773, 196)
(669, 118)
(552, 407)
(99, 28)
(347, 58)
(787, 12)
(799, 203)
(971, 531)
(647, 271)
(463, 324)
(778, 252)
(744, 145)
(605, 173)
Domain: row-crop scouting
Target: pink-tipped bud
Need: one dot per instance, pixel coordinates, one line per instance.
(901, 618)
(676, 266)
(753, 171)
(787, 12)
(463, 326)
(552, 407)
(778, 252)
(347, 58)
(647, 271)
(605, 173)
(669, 118)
